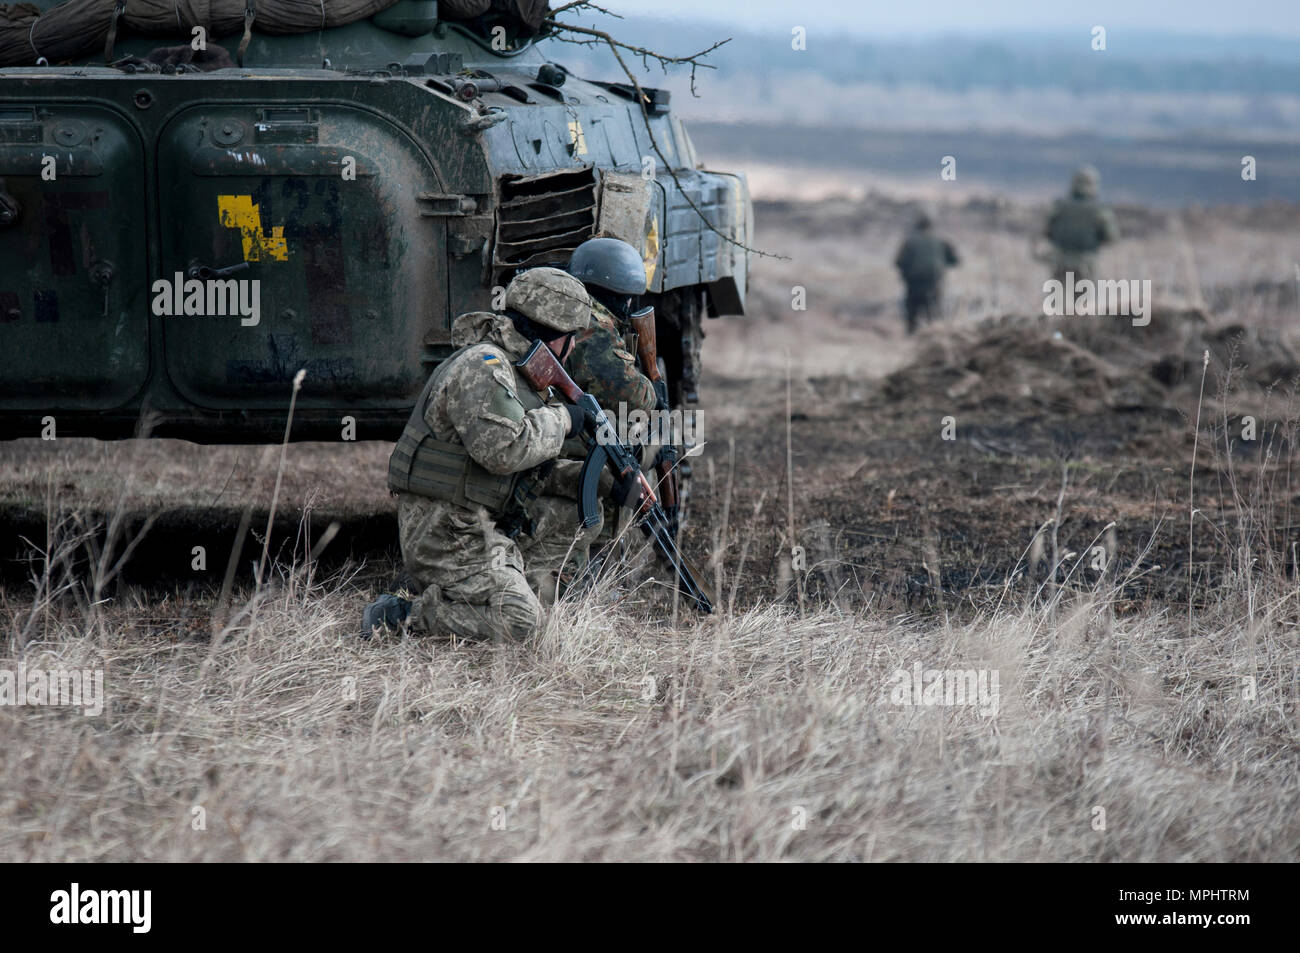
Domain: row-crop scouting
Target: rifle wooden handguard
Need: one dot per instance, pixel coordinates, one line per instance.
(647, 347)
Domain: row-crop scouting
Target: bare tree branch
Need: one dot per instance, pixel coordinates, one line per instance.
(586, 5)
(599, 37)
(664, 60)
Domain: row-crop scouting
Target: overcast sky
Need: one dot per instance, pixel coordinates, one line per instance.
(894, 18)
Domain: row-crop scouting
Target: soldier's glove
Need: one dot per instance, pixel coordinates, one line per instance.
(628, 488)
(577, 419)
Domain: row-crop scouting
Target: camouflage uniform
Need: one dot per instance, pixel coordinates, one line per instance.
(475, 578)
(921, 261)
(605, 366)
(1078, 226)
(604, 362)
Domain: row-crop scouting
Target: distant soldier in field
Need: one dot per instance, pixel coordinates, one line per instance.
(483, 519)
(1078, 226)
(921, 261)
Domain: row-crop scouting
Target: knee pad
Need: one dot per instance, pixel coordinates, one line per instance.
(519, 613)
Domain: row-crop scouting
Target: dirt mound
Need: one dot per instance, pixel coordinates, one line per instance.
(1088, 365)
(1259, 358)
(1019, 364)
(1171, 348)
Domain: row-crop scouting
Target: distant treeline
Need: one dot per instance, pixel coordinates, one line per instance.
(1136, 61)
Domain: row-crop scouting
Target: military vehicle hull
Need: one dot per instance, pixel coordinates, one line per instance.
(174, 248)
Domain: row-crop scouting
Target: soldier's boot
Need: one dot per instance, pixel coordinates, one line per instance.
(388, 612)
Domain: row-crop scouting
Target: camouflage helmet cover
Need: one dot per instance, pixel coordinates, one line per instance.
(1085, 181)
(609, 263)
(550, 297)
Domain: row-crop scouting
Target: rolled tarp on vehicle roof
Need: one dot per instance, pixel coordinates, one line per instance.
(77, 28)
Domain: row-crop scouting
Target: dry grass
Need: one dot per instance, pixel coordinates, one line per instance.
(614, 739)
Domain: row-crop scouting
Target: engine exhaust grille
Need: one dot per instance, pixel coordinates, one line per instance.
(542, 219)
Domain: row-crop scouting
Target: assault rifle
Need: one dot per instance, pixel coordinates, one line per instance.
(604, 452)
(647, 350)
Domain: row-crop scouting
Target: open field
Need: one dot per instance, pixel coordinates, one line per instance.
(1158, 681)
(1159, 169)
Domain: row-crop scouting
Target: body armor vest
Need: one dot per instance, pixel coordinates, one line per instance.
(425, 465)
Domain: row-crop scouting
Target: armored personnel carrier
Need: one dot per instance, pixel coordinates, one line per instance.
(181, 233)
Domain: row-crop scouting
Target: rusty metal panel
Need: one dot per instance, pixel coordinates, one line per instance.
(624, 205)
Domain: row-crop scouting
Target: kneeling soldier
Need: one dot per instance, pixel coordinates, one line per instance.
(471, 472)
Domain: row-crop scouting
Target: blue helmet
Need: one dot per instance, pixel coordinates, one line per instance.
(609, 263)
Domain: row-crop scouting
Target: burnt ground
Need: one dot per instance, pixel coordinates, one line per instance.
(888, 512)
(1085, 414)
(1043, 414)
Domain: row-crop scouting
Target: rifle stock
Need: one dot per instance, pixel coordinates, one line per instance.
(542, 369)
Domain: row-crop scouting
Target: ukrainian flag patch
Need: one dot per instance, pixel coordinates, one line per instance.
(491, 359)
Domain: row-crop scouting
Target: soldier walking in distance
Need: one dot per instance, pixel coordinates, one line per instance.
(481, 515)
(921, 260)
(1078, 226)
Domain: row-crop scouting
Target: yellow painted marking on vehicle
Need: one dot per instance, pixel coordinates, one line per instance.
(650, 251)
(577, 138)
(238, 211)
